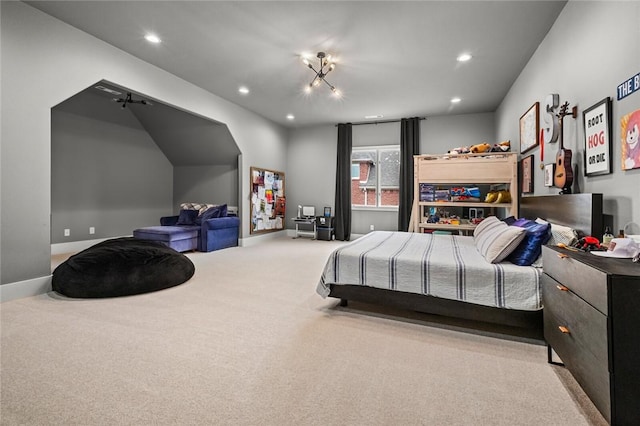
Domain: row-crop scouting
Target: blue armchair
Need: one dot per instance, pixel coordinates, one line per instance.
(202, 227)
(213, 234)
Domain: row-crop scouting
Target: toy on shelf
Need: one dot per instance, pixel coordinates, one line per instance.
(480, 148)
(465, 194)
(502, 196)
(501, 147)
(459, 150)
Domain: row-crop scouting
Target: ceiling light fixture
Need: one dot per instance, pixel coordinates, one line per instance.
(152, 38)
(244, 90)
(325, 67)
(455, 100)
(464, 57)
(290, 117)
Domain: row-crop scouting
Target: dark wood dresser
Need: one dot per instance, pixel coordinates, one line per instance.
(592, 321)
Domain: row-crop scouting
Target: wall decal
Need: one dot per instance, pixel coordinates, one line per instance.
(629, 86)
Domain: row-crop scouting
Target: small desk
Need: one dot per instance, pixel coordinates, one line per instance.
(305, 221)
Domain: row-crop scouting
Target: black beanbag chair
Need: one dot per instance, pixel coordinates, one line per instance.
(121, 267)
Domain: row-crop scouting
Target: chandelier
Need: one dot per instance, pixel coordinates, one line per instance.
(324, 68)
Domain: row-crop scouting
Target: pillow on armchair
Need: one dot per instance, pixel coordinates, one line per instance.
(212, 212)
(187, 217)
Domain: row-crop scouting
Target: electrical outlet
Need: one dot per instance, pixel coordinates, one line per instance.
(67, 232)
(372, 228)
(92, 230)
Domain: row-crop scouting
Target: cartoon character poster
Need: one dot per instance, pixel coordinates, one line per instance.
(630, 138)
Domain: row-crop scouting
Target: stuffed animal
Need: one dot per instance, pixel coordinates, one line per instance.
(501, 147)
(481, 147)
(459, 150)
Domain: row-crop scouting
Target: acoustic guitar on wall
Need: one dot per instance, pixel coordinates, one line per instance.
(563, 177)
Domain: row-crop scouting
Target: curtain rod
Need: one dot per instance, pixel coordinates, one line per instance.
(359, 123)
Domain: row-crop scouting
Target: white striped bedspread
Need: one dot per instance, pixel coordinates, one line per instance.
(447, 266)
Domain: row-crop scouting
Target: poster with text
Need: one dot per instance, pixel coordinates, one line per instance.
(597, 138)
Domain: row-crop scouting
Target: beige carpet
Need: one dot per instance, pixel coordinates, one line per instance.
(247, 341)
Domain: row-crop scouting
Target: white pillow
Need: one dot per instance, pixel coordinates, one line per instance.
(486, 223)
(496, 240)
(560, 234)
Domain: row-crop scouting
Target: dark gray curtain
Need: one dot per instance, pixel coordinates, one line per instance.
(342, 218)
(409, 146)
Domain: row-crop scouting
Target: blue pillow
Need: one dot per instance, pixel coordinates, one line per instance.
(212, 212)
(187, 217)
(530, 248)
(509, 220)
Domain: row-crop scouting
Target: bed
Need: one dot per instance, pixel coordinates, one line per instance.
(445, 275)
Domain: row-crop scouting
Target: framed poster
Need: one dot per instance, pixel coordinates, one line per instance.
(526, 171)
(529, 128)
(549, 169)
(597, 138)
(630, 138)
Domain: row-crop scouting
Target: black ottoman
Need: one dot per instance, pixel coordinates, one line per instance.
(121, 267)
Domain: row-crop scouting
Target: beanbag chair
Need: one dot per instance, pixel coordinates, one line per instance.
(121, 267)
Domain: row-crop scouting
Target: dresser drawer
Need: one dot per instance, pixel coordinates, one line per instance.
(587, 282)
(583, 344)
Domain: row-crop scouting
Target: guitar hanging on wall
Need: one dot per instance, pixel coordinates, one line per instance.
(563, 177)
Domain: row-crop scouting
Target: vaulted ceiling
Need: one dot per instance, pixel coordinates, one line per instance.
(394, 59)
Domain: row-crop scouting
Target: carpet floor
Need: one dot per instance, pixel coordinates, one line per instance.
(247, 341)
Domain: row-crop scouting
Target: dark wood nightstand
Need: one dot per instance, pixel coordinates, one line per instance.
(592, 321)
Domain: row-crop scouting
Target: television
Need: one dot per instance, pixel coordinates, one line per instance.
(308, 211)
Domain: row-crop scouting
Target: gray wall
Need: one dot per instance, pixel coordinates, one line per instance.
(38, 74)
(439, 134)
(589, 51)
(205, 184)
(106, 171)
(312, 159)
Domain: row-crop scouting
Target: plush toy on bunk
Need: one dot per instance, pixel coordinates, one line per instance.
(480, 148)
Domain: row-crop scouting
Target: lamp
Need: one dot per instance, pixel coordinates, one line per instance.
(325, 67)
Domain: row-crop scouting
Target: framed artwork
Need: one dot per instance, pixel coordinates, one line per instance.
(526, 166)
(529, 128)
(268, 203)
(549, 169)
(630, 139)
(597, 138)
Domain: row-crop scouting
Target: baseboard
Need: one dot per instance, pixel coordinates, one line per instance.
(76, 246)
(27, 288)
(246, 242)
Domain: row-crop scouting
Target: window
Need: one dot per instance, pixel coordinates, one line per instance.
(375, 174)
(355, 171)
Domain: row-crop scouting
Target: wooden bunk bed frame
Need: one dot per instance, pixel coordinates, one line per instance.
(582, 212)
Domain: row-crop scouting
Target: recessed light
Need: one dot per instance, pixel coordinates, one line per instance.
(152, 38)
(455, 100)
(464, 57)
(369, 117)
(244, 90)
(290, 117)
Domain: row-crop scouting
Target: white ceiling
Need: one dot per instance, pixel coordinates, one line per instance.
(396, 59)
